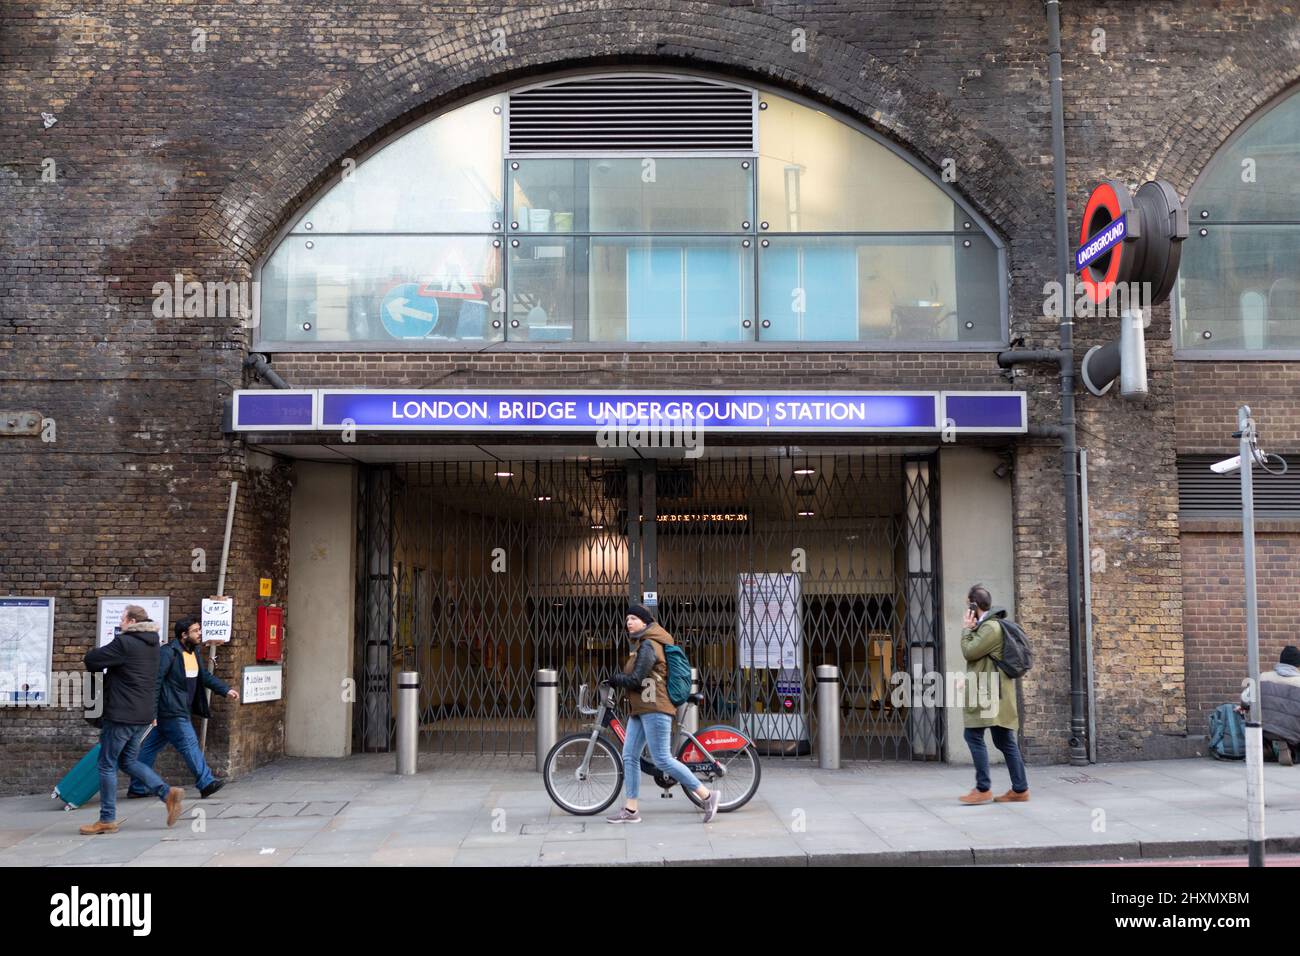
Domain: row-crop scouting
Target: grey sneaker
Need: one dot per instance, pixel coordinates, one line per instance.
(624, 815)
(711, 804)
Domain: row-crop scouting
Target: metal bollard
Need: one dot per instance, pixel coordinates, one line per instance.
(828, 716)
(547, 695)
(691, 713)
(408, 721)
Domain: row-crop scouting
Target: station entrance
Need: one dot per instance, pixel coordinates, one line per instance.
(476, 574)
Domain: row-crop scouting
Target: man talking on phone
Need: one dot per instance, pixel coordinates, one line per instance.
(981, 644)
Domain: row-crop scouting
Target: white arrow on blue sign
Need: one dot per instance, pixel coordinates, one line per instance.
(407, 314)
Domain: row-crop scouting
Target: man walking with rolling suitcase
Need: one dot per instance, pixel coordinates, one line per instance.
(182, 680)
(130, 701)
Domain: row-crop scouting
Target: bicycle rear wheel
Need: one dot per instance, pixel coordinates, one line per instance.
(583, 794)
(738, 757)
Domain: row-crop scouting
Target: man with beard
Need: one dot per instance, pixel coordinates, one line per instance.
(181, 680)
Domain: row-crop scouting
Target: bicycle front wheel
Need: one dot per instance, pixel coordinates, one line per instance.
(578, 791)
(730, 749)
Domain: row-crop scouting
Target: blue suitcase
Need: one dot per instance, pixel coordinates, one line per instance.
(81, 785)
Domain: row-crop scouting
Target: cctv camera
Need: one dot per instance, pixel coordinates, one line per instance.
(1227, 466)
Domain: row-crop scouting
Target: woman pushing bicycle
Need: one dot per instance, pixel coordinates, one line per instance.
(645, 679)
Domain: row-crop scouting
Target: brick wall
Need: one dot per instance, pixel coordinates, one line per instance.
(1215, 616)
(1209, 394)
(171, 160)
(863, 370)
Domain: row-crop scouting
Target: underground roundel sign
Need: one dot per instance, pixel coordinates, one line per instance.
(1131, 239)
(1107, 241)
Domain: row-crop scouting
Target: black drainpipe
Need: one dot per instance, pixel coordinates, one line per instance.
(1064, 358)
(262, 368)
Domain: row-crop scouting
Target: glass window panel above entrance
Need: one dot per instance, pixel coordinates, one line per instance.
(443, 176)
(899, 288)
(395, 288)
(631, 289)
(659, 194)
(817, 174)
(761, 201)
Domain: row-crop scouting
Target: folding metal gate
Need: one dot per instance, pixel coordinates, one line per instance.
(475, 574)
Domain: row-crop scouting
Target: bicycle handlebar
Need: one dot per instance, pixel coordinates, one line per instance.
(582, 697)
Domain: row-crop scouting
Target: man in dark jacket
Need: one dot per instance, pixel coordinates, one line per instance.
(181, 681)
(130, 699)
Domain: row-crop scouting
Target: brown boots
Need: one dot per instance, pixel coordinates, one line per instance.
(976, 797)
(174, 797)
(98, 827)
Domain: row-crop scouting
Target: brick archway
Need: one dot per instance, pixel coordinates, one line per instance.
(1243, 97)
(450, 67)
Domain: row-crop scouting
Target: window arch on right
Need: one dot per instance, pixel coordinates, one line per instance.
(1238, 292)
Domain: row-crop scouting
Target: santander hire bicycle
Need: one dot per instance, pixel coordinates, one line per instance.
(583, 772)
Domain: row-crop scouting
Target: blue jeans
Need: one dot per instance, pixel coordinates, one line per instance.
(179, 732)
(119, 745)
(1004, 740)
(658, 729)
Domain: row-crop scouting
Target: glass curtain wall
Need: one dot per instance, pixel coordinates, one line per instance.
(821, 233)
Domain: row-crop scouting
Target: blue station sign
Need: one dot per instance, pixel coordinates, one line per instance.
(330, 409)
(1100, 243)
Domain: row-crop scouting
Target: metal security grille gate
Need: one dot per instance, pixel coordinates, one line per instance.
(475, 574)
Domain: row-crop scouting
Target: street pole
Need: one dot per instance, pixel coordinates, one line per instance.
(221, 591)
(1254, 729)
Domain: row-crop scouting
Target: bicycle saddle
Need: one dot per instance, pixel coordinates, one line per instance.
(695, 699)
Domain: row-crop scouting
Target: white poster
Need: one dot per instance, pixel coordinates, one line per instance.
(262, 683)
(26, 649)
(769, 624)
(110, 616)
(218, 619)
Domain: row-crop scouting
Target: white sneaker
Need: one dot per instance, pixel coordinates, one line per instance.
(711, 804)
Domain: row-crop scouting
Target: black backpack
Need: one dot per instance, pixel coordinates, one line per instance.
(1016, 656)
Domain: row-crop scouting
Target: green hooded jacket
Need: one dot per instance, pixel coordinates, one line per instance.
(985, 706)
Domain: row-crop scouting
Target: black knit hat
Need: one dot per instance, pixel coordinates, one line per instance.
(1291, 655)
(641, 611)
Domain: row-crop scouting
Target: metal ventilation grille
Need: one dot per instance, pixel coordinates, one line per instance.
(638, 113)
(1202, 492)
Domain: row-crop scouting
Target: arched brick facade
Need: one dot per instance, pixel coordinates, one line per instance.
(453, 65)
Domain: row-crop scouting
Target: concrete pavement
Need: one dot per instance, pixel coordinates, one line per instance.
(474, 811)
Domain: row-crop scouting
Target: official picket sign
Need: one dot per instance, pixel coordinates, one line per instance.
(262, 682)
(218, 616)
(982, 412)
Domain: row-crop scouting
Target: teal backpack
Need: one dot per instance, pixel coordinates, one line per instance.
(1227, 733)
(679, 674)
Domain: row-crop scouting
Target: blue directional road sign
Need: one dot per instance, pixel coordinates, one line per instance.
(407, 314)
